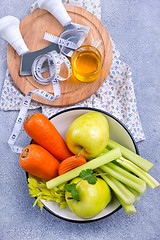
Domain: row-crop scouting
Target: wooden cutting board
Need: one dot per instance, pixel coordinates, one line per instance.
(33, 27)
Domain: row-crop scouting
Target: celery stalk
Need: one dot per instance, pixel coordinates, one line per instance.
(118, 188)
(120, 191)
(133, 157)
(128, 208)
(127, 178)
(152, 183)
(136, 194)
(106, 150)
(92, 164)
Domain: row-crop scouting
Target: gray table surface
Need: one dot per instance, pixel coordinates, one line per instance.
(134, 25)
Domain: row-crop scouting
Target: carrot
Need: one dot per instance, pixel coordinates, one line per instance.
(37, 161)
(70, 163)
(43, 132)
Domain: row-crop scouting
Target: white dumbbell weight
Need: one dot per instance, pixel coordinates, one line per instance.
(56, 8)
(9, 31)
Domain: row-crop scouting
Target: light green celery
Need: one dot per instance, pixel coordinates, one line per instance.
(106, 150)
(41, 192)
(133, 157)
(117, 187)
(127, 178)
(128, 208)
(92, 164)
(152, 183)
(136, 194)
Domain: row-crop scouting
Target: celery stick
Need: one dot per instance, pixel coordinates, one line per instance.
(133, 157)
(118, 188)
(152, 183)
(126, 202)
(129, 179)
(92, 164)
(136, 194)
(106, 150)
(128, 208)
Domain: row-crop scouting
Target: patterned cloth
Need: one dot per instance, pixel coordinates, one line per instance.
(116, 95)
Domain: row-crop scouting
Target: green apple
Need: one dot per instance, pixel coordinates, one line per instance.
(89, 133)
(93, 198)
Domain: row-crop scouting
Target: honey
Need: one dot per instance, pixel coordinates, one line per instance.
(86, 63)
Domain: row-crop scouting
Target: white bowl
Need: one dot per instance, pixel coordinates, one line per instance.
(118, 133)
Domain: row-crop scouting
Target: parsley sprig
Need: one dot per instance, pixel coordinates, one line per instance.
(88, 175)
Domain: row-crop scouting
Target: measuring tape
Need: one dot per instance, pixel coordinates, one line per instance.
(60, 41)
(54, 61)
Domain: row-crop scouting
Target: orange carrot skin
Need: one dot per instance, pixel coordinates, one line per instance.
(71, 163)
(43, 132)
(37, 161)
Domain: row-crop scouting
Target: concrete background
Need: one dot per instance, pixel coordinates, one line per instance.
(134, 25)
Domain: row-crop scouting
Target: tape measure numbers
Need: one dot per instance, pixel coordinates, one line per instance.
(60, 41)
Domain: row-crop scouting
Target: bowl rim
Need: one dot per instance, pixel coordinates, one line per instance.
(134, 143)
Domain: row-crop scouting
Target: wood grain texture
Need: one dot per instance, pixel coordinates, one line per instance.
(33, 27)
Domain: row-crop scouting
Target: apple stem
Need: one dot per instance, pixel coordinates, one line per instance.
(69, 198)
(79, 152)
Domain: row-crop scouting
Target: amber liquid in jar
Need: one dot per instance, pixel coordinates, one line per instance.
(86, 64)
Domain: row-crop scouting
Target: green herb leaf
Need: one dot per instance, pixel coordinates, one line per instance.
(75, 194)
(92, 179)
(70, 187)
(89, 176)
(86, 173)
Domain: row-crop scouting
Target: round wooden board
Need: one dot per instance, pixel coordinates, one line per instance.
(33, 27)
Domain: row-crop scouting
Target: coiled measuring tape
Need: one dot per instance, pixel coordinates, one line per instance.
(54, 61)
